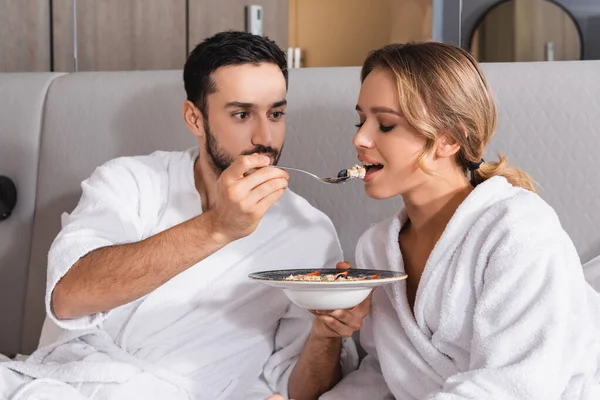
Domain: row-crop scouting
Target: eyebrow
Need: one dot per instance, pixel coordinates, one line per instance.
(380, 110)
(279, 103)
(248, 106)
(239, 104)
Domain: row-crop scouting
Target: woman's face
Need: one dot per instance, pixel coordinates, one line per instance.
(386, 144)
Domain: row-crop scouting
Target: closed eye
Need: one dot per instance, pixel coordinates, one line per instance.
(382, 128)
(386, 129)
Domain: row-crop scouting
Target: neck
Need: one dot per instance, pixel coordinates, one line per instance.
(430, 208)
(205, 179)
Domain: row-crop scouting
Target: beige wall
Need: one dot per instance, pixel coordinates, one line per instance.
(342, 32)
(411, 20)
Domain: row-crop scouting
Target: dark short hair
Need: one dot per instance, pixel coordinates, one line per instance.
(224, 49)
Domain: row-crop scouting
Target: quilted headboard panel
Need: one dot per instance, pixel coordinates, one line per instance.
(91, 118)
(549, 122)
(549, 125)
(21, 108)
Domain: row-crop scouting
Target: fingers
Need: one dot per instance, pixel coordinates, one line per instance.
(256, 203)
(242, 201)
(244, 164)
(351, 319)
(253, 188)
(343, 265)
(370, 296)
(265, 189)
(250, 190)
(364, 307)
(344, 322)
(261, 176)
(335, 326)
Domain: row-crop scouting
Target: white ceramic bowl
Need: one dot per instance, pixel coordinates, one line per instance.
(336, 295)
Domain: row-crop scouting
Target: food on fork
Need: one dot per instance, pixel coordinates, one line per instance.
(316, 276)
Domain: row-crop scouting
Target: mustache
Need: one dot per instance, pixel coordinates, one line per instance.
(260, 149)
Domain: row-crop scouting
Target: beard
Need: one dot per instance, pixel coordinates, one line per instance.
(221, 160)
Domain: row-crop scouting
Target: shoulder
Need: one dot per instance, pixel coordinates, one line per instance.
(137, 183)
(143, 171)
(523, 215)
(522, 235)
(154, 163)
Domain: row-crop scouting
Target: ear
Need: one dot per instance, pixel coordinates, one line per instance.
(446, 146)
(193, 118)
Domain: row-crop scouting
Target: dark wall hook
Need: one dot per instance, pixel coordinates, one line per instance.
(8, 197)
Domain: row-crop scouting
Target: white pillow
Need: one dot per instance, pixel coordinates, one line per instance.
(591, 271)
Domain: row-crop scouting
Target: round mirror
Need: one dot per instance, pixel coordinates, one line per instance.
(526, 30)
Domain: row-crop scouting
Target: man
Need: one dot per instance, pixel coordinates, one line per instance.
(150, 271)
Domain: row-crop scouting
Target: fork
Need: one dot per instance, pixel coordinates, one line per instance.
(341, 178)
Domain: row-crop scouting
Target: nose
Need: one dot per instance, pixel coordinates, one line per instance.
(262, 135)
(362, 140)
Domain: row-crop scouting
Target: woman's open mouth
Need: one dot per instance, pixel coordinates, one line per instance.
(371, 170)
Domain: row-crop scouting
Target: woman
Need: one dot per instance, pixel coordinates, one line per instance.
(495, 305)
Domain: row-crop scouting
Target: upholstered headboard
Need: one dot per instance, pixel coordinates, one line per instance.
(21, 107)
(549, 125)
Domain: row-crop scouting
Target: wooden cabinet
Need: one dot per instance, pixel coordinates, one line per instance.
(150, 34)
(38, 35)
(120, 35)
(343, 32)
(207, 17)
(24, 35)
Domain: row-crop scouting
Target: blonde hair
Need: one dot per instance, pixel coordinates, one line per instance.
(441, 89)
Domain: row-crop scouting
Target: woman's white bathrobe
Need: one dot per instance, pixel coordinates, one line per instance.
(208, 333)
(502, 310)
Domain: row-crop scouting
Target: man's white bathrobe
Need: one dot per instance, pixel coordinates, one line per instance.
(210, 332)
(502, 310)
